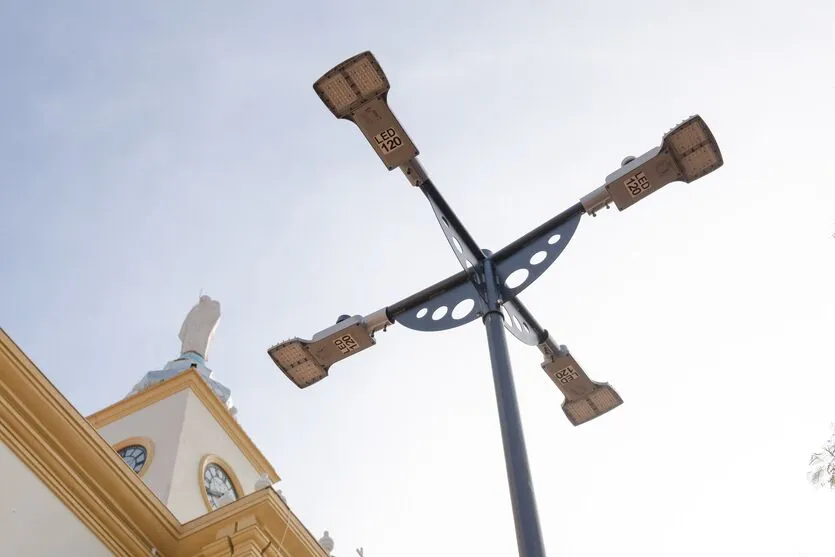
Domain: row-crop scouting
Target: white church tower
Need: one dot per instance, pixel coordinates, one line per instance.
(177, 429)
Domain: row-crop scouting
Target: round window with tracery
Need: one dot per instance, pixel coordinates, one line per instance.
(135, 456)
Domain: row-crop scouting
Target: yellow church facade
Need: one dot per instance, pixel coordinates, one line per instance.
(165, 472)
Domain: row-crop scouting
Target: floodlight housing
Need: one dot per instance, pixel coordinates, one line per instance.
(356, 90)
(348, 85)
(694, 148)
(305, 362)
(687, 152)
(584, 399)
(602, 399)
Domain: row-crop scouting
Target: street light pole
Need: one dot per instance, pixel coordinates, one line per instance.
(489, 284)
(525, 514)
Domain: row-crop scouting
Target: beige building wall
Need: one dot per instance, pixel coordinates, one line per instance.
(162, 423)
(203, 435)
(33, 521)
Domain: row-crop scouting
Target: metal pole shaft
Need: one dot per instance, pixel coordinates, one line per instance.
(525, 515)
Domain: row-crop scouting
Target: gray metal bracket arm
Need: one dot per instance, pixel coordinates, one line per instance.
(463, 245)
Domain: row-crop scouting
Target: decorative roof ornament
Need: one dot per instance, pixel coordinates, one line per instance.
(196, 337)
(263, 482)
(326, 542)
(225, 499)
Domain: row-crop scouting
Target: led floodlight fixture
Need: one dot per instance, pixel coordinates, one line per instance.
(584, 399)
(356, 90)
(687, 152)
(305, 362)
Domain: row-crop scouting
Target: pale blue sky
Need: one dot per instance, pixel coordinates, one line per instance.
(148, 153)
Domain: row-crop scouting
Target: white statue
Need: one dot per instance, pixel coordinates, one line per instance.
(199, 327)
(822, 473)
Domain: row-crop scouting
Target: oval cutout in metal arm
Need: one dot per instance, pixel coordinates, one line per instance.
(529, 257)
(444, 309)
(521, 324)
